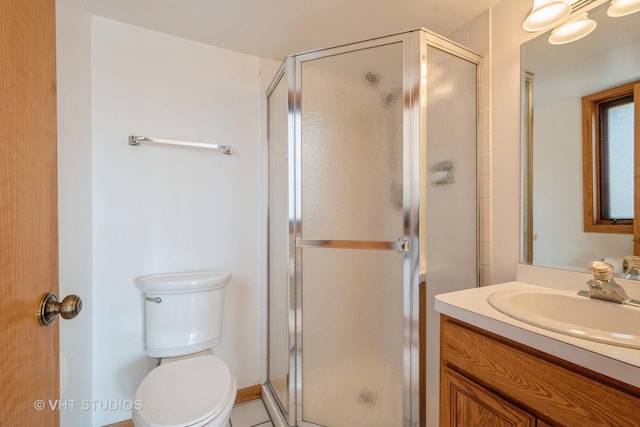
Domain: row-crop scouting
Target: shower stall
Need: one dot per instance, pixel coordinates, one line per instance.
(372, 211)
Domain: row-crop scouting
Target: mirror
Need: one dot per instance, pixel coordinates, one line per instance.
(557, 77)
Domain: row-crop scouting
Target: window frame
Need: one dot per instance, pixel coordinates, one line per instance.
(591, 162)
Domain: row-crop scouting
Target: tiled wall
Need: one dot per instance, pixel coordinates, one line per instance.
(476, 36)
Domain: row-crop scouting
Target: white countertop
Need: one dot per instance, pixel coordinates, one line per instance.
(471, 306)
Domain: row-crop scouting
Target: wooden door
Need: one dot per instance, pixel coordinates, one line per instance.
(29, 354)
(467, 404)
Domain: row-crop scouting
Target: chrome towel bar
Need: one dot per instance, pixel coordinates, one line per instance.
(138, 140)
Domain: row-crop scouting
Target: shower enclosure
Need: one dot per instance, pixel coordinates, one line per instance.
(372, 208)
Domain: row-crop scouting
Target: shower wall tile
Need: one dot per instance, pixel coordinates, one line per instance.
(485, 165)
(485, 254)
(486, 275)
(485, 208)
(476, 36)
(485, 187)
(485, 142)
(484, 117)
(479, 32)
(486, 82)
(461, 35)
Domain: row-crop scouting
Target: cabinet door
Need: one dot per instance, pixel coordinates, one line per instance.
(464, 403)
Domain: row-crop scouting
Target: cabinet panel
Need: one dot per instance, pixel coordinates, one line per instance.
(469, 404)
(542, 384)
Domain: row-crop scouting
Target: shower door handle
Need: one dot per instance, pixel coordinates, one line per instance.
(401, 245)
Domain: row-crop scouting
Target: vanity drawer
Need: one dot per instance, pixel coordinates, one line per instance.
(552, 389)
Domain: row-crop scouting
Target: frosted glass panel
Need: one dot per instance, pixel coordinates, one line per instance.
(352, 300)
(278, 244)
(351, 112)
(451, 200)
(618, 194)
(353, 338)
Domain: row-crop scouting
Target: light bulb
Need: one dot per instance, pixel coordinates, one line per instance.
(623, 7)
(573, 30)
(546, 14)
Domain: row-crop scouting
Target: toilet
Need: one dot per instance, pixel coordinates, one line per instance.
(183, 320)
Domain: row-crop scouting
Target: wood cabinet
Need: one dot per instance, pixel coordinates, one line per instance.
(488, 380)
(470, 404)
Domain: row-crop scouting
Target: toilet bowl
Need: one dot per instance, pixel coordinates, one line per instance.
(194, 392)
(190, 387)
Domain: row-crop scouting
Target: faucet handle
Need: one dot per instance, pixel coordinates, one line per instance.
(601, 270)
(631, 264)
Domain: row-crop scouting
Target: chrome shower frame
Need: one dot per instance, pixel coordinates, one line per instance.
(414, 45)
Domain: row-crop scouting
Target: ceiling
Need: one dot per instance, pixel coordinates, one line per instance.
(275, 28)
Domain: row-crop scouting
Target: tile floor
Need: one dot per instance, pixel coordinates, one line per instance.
(250, 414)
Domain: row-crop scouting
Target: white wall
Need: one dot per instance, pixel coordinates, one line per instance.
(506, 37)
(74, 203)
(165, 209)
(557, 192)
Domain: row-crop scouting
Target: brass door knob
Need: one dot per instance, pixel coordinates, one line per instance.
(68, 308)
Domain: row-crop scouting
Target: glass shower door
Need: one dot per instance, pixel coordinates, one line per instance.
(278, 228)
(349, 245)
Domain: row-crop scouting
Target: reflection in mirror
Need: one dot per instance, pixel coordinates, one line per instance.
(558, 77)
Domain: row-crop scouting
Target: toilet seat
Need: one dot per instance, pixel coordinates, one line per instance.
(185, 393)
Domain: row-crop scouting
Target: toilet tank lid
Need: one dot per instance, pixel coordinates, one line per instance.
(183, 282)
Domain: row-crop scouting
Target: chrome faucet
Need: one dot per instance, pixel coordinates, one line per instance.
(603, 287)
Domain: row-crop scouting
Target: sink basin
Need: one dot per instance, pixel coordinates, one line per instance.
(572, 314)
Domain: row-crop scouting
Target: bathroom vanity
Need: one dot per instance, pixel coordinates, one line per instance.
(496, 370)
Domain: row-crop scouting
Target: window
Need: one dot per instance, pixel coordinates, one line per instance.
(609, 122)
(616, 160)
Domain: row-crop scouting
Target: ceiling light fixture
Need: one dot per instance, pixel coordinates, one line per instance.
(546, 14)
(572, 30)
(568, 26)
(623, 8)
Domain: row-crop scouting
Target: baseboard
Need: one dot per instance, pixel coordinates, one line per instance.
(248, 394)
(125, 423)
(243, 395)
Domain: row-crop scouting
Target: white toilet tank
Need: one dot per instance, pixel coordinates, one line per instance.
(183, 311)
